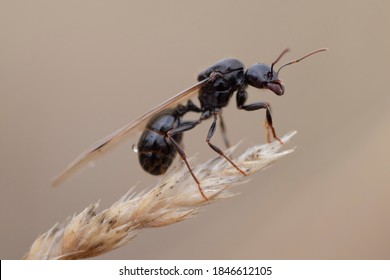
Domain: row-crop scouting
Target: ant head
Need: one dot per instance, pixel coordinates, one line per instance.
(262, 75)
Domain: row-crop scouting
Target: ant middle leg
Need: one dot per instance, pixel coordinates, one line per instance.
(215, 148)
(223, 130)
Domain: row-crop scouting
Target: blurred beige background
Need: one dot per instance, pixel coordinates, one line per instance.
(73, 71)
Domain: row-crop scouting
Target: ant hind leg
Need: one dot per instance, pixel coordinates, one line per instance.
(180, 129)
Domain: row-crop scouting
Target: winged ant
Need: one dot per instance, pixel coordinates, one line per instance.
(163, 126)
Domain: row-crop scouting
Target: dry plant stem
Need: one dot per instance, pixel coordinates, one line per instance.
(175, 198)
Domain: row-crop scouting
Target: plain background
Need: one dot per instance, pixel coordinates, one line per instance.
(71, 72)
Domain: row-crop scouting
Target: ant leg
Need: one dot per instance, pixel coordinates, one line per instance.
(180, 129)
(241, 98)
(223, 129)
(216, 149)
(190, 107)
(268, 124)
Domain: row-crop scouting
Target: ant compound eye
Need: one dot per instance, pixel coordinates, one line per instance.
(269, 75)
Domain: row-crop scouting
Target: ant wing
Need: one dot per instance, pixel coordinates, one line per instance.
(107, 143)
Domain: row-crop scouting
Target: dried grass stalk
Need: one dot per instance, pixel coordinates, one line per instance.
(175, 198)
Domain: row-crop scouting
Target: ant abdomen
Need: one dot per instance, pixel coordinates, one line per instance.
(155, 151)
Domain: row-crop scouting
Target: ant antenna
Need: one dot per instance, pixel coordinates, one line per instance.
(295, 61)
(279, 57)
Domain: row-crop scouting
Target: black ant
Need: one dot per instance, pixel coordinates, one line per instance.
(163, 126)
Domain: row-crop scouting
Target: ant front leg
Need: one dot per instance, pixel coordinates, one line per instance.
(215, 148)
(241, 98)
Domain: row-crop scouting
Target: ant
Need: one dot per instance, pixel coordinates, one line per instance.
(163, 126)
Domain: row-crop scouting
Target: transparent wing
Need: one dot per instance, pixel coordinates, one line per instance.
(107, 143)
